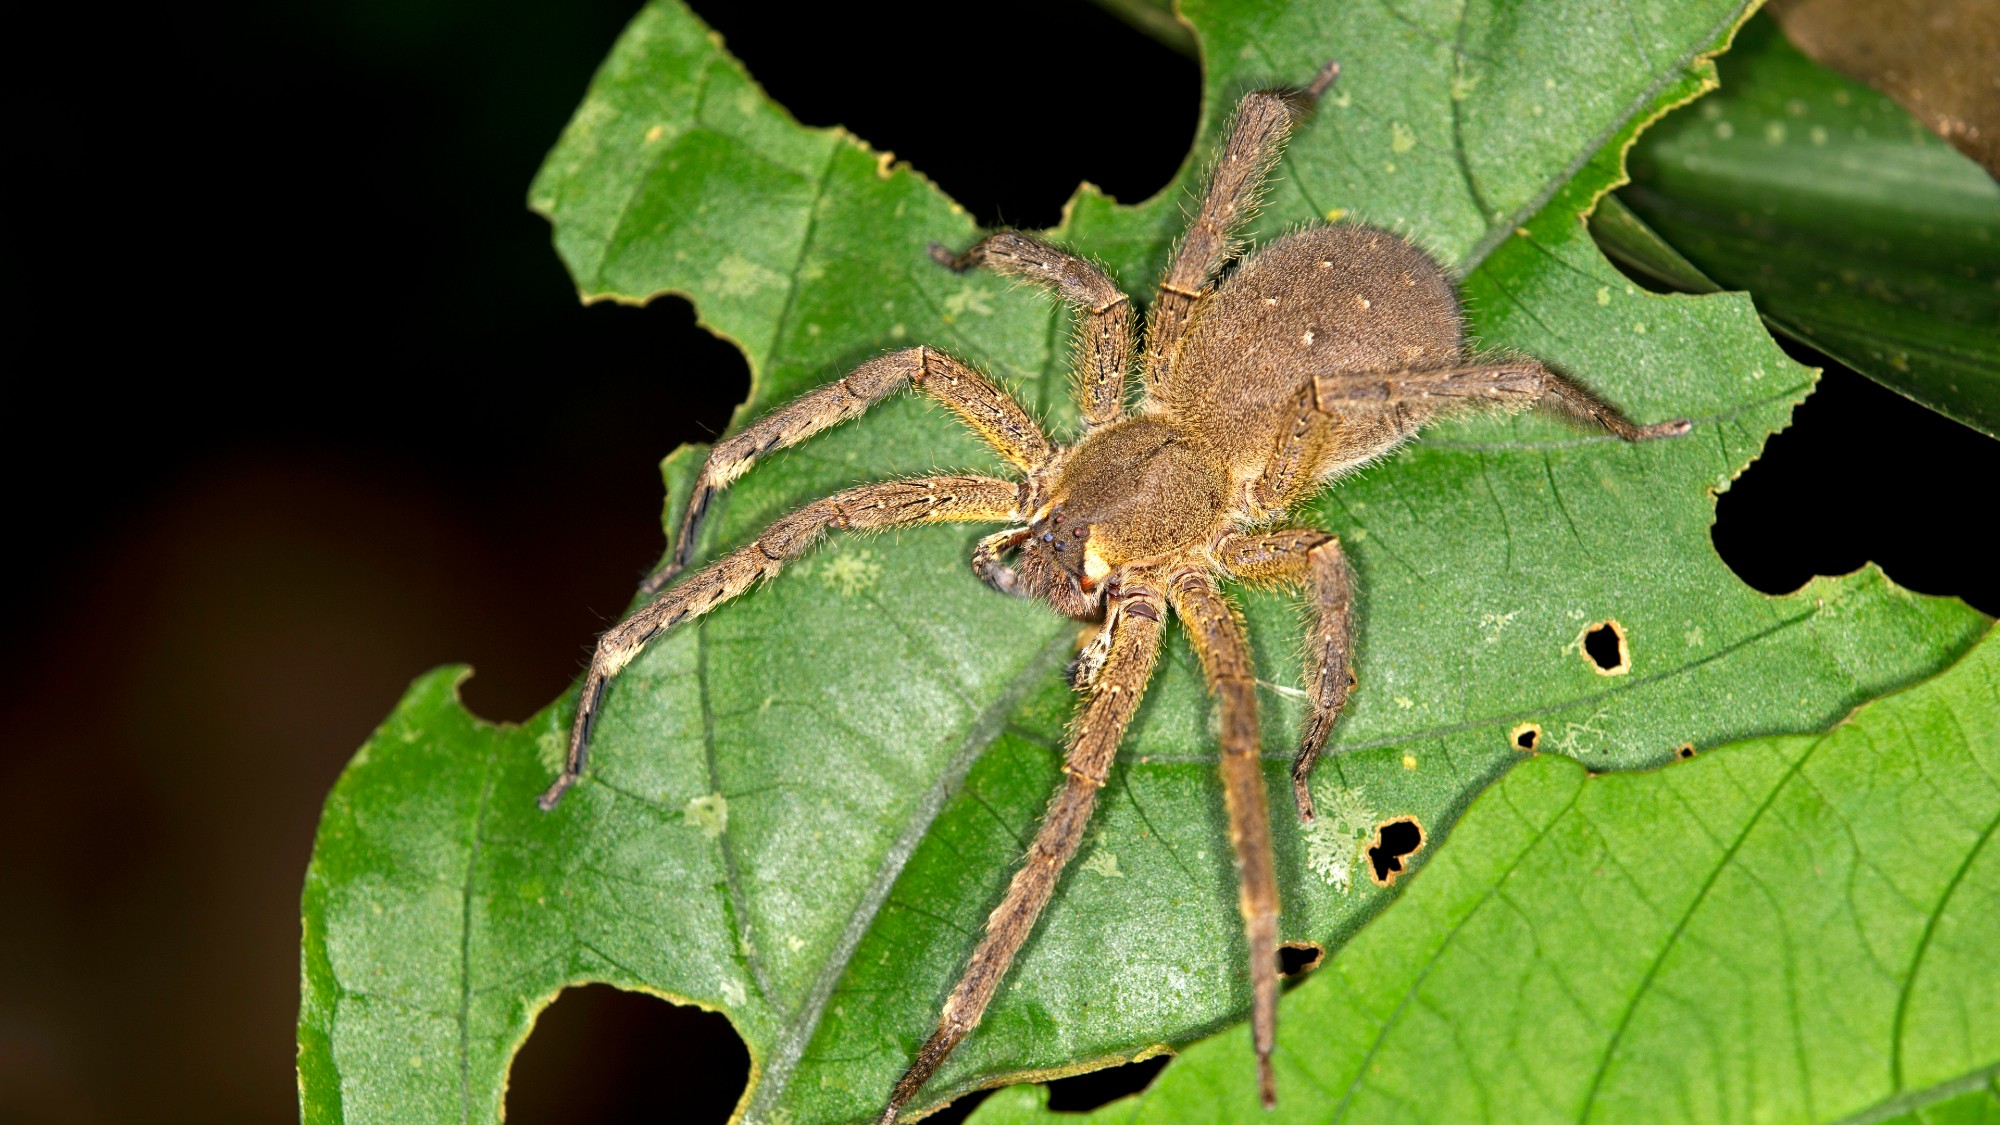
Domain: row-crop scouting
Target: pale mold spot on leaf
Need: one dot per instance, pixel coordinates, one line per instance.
(1526, 737)
(812, 329)
(1405, 702)
(1409, 761)
(795, 943)
(967, 300)
(898, 331)
(1604, 648)
(1572, 732)
(1693, 636)
(1389, 166)
(1536, 110)
(710, 813)
(737, 276)
(850, 574)
(1339, 100)
(1639, 327)
(1333, 215)
(1548, 83)
(1103, 862)
(1401, 139)
(655, 133)
(1334, 840)
(1358, 534)
(1394, 842)
(1493, 624)
(733, 994)
(1603, 295)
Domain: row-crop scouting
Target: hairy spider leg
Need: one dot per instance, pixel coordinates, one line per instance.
(865, 508)
(1104, 314)
(1254, 139)
(1135, 615)
(988, 563)
(977, 400)
(1218, 639)
(1302, 556)
(1522, 381)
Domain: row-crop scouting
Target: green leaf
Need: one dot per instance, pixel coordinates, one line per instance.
(1858, 231)
(800, 810)
(1788, 929)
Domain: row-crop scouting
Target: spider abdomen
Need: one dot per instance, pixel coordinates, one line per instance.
(1324, 300)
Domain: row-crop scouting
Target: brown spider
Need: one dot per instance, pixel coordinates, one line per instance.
(1322, 351)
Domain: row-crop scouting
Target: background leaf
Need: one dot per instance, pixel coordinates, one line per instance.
(1789, 929)
(1858, 230)
(801, 810)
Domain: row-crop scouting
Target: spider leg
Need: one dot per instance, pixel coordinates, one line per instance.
(1104, 313)
(1218, 639)
(973, 397)
(995, 573)
(1255, 137)
(1135, 619)
(1519, 381)
(868, 507)
(1295, 557)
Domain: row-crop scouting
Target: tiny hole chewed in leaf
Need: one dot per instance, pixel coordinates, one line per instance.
(1684, 751)
(1395, 841)
(1526, 738)
(1604, 646)
(1297, 958)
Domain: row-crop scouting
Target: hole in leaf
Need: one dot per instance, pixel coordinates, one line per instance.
(1685, 751)
(1526, 737)
(1395, 841)
(1297, 958)
(1790, 515)
(1080, 1092)
(1603, 644)
(956, 1112)
(1012, 151)
(601, 1054)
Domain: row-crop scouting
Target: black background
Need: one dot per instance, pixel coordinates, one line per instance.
(299, 403)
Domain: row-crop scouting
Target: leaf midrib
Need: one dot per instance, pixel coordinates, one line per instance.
(986, 727)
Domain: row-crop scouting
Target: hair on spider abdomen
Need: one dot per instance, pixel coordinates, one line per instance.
(1322, 350)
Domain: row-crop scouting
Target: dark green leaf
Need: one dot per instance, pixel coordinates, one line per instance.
(801, 810)
(1856, 229)
(1787, 929)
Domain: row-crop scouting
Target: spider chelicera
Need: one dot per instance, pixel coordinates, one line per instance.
(1319, 352)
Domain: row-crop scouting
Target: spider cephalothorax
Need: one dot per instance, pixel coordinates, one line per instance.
(1321, 351)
